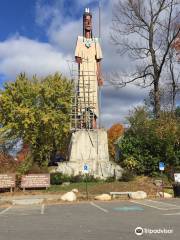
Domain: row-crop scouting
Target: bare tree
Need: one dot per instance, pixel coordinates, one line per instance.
(146, 29)
(173, 81)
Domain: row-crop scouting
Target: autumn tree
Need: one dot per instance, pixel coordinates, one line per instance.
(149, 141)
(145, 31)
(115, 132)
(37, 112)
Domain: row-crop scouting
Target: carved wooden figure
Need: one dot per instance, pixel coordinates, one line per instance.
(88, 55)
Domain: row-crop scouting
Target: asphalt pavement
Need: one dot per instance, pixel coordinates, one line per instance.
(153, 219)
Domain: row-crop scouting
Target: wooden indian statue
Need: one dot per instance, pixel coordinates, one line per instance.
(88, 55)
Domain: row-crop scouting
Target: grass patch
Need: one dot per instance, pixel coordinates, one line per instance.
(81, 186)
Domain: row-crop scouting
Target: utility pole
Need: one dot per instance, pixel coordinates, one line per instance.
(99, 86)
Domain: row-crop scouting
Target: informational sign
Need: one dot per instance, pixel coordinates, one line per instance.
(7, 180)
(177, 177)
(86, 168)
(35, 181)
(161, 166)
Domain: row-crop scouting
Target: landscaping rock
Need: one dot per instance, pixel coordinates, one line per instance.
(103, 197)
(75, 190)
(166, 195)
(138, 195)
(69, 196)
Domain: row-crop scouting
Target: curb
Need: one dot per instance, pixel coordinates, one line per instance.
(29, 201)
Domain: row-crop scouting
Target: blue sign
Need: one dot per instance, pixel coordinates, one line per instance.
(86, 168)
(161, 166)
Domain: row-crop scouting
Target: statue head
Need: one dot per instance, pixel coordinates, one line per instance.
(87, 22)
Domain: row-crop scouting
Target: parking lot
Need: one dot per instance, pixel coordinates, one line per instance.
(159, 219)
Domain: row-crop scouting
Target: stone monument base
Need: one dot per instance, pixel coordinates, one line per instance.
(90, 147)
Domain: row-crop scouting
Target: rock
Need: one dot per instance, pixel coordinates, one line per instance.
(83, 150)
(103, 197)
(69, 196)
(65, 168)
(138, 195)
(64, 184)
(75, 190)
(166, 195)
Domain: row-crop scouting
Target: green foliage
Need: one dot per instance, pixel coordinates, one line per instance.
(127, 176)
(149, 141)
(37, 111)
(28, 166)
(177, 112)
(25, 166)
(110, 179)
(130, 163)
(59, 178)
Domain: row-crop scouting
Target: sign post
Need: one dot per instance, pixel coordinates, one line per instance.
(161, 168)
(86, 171)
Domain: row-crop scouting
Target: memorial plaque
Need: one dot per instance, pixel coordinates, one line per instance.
(35, 181)
(7, 180)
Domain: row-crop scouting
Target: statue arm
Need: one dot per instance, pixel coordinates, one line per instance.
(99, 73)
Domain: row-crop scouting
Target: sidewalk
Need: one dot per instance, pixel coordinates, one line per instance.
(29, 199)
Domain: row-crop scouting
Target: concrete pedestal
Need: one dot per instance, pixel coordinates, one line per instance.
(90, 147)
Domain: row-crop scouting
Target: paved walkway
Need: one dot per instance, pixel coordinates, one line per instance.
(48, 197)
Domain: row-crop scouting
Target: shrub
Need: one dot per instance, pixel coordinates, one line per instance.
(110, 179)
(25, 166)
(7, 163)
(127, 176)
(59, 178)
(130, 163)
(29, 167)
(149, 141)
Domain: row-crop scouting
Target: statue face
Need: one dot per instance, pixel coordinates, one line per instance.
(88, 23)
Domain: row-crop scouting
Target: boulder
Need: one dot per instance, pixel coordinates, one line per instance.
(103, 197)
(69, 196)
(138, 195)
(165, 195)
(75, 190)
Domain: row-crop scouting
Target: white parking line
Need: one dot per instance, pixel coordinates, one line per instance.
(172, 214)
(170, 204)
(147, 205)
(97, 206)
(42, 208)
(5, 210)
(150, 203)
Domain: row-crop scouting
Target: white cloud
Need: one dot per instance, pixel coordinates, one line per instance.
(20, 54)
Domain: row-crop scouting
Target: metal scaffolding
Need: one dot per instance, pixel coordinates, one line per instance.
(84, 99)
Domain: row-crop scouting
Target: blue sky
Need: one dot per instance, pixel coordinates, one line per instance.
(18, 16)
(39, 36)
